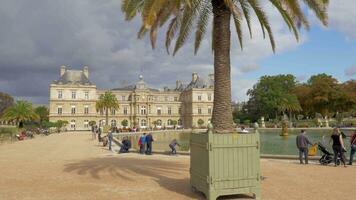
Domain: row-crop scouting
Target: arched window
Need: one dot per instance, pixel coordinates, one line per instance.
(113, 123)
(169, 122)
(179, 122)
(159, 122)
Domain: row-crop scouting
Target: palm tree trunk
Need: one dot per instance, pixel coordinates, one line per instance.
(106, 116)
(222, 112)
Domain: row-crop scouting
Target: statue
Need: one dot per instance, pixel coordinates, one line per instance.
(285, 124)
(263, 125)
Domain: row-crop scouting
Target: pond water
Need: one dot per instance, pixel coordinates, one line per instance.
(271, 141)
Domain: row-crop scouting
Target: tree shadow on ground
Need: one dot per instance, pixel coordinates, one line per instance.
(167, 173)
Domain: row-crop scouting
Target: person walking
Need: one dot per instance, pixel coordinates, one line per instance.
(110, 137)
(142, 143)
(352, 146)
(149, 140)
(338, 146)
(173, 145)
(302, 144)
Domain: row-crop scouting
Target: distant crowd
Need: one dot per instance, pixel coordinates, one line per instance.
(145, 141)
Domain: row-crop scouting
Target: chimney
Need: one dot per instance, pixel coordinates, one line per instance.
(178, 84)
(194, 77)
(62, 70)
(86, 71)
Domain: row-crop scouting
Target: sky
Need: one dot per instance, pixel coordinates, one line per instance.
(38, 36)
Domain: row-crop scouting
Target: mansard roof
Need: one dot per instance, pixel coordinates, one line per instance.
(200, 83)
(73, 77)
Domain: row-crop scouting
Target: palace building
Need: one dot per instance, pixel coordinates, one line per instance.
(73, 97)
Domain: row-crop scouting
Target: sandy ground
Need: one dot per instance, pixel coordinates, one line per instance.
(72, 166)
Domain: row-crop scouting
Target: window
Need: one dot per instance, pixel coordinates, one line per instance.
(179, 122)
(159, 122)
(86, 95)
(73, 110)
(74, 94)
(180, 110)
(143, 110)
(123, 98)
(143, 123)
(113, 111)
(101, 112)
(169, 110)
(199, 97)
(59, 110)
(165, 98)
(159, 111)
(149, 109)
(72, 124)
(125, 110)
(209, 110)
(175, 98)
(60, 94)
(86, 110)
(86, 123)
(199, 110)
(209, 97)
(113, 123)
(169, 122)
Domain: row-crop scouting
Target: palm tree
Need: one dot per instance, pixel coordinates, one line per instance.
(185, 15)
(106, 102)
(289, 104)
(20, 112)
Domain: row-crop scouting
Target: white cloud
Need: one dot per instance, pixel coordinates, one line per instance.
(37, 37)
(341, 17)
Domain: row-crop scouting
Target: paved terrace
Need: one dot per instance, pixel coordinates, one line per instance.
(72, 166)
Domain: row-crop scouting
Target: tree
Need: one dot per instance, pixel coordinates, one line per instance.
(60, 124)
(124, 123)
(20, 112)
(42, 112)
(325, 95)
(106, 102)
(6, 101)
(92, 123)
(200, 122)
(184, 15)
(272, 95)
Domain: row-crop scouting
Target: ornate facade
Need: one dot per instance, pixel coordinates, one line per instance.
(73, 97)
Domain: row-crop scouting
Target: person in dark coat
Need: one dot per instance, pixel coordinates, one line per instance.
(149, 140)
(338, 146)
(126, 145)
(173, 145)
(302, 142)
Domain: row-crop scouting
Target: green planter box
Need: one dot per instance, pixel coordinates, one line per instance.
(225, 164)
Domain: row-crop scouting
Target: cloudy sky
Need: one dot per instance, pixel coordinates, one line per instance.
(38, 36)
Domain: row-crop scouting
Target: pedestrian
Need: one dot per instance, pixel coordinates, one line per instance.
(142, 143)
(126, 145)
(352, 146)
(93, 132)
(302, 144)
(338, 146)
(99, 134)
(149, 140)
(173, 145)
(110, 137)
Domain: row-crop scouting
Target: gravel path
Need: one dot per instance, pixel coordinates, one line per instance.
(72, 166)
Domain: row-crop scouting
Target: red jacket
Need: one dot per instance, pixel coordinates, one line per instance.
(353, 139)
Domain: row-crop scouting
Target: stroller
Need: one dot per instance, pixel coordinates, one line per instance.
(327, 157)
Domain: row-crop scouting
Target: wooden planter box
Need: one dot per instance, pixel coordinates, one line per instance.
(225, 164)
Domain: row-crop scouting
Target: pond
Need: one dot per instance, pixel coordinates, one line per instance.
(271, 142)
